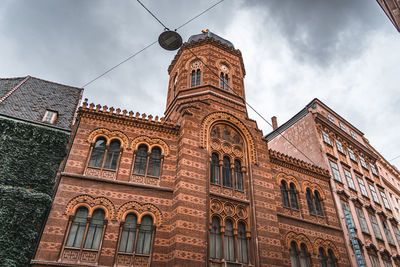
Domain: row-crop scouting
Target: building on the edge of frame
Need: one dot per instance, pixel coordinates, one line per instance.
(363, 183)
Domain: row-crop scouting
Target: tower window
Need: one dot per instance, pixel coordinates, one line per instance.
(195, 77)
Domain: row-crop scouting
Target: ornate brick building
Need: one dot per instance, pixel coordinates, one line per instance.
(198, 187)
(364, 184)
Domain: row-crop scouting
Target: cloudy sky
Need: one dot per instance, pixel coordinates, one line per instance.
(346, 53)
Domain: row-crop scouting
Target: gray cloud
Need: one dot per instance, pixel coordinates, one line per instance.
(322, 32)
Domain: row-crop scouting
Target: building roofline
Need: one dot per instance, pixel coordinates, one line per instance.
(205, 41)
(15, 78)
(299, 165)
(303, 112)
(336, 114)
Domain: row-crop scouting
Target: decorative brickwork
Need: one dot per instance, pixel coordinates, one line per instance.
(217, 199)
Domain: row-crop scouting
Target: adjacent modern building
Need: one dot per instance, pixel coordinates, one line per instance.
(197, 187)
(365, 186)
(392, 10)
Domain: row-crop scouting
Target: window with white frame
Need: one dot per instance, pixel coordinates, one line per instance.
(326, 137)
(362, 220)
(335, 171)
(387, 232)
(349, 178)
(342, 126)
(396, 233)
(339, 146)
(363, 163)
(375, 226)
(373, 169)
(353, 134)
(373, 193)
(351, 154)
(50, 116)
(385, 200)
(362, 186)
(331, 118)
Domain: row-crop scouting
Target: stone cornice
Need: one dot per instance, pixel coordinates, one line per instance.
(207, 40)
(139, 120)
(334, 128)
(298, 165)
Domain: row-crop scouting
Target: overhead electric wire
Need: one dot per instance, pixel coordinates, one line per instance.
(154, 16)
(122, 62)
(251, 107)
(395, 158)
(199, 14)
(135, 54)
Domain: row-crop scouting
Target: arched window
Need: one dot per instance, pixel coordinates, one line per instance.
(229, 241)
(77, 229)
(97, 157)
(141, 160)
(331, 258)
(226, 81)
(128, 236)
(226, 172)
(322, 258)
(215, 239)
(95, 231)
(198, 76)
(193, 78)
(238, 175)
(148, 164)
(242, 243)
(175, 82)
(221, 80)
(318, 205)
(310, 201)
(145, 235)
(304, 256)
(293, 196)
(112, 155)
(154, 162)
(294, 255)
(214, 170)
(284, 194)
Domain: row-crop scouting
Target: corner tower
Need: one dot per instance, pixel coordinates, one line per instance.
(206, 67)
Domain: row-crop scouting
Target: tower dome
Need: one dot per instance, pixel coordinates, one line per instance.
(209, 34)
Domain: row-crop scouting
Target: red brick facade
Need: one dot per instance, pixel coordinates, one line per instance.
(202, 121)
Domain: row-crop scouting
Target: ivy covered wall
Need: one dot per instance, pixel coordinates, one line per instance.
(29, 159)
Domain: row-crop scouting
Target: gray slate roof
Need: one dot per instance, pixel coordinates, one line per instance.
(30, 100)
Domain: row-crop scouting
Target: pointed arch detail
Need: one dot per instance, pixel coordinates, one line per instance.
(140, 210)
(91, 203)
(109, 135)
(151, 142)
(289, 179)
(313, 187)
(325, 244)
(212, 118)
(298, 238)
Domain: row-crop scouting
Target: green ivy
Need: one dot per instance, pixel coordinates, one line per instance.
(29, 159)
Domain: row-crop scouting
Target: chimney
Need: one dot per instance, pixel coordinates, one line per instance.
(274, 123)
